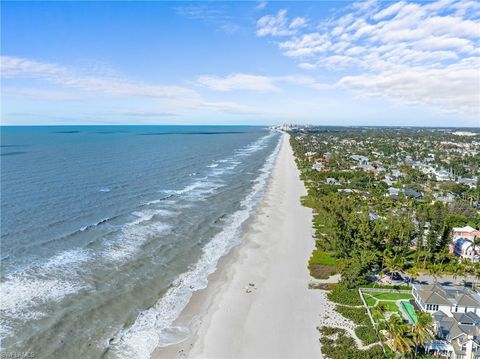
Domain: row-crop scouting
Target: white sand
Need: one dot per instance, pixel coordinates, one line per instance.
(278, 319)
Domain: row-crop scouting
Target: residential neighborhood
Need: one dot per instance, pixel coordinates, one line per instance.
(397, 215)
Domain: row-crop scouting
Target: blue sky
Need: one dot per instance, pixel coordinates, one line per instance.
(331, 63)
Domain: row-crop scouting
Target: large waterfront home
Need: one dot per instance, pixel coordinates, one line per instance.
(447, 299)
(455, 312)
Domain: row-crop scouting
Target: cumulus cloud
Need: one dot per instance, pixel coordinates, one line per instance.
(279, 24)
(455, 87)
(417, 53)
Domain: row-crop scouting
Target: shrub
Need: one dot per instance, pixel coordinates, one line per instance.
(357, 315)
(322, 286)
(336, 344)
(319, 271)
(342, 295)
(386, 286)
(366, 334)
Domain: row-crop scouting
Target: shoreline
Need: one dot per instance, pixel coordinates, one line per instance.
(279, 315)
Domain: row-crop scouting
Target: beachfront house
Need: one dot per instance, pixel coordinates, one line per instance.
(455, 312)
(457, 336)
(447, 299)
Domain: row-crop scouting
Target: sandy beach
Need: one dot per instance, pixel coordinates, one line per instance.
(257, 304)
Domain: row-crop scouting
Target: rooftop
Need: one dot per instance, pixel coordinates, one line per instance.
(448, 295)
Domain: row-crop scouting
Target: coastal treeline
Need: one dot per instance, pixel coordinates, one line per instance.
(360, 228)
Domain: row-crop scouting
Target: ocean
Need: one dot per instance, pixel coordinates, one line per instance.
(106, 231)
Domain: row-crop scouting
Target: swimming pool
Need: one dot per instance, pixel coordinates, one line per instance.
(410, 311)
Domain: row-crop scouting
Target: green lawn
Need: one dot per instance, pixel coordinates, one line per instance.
(369, 300)
(388, 299)
(391, 296)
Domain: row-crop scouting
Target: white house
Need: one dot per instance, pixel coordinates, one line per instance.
(455, 312)
(447, 299)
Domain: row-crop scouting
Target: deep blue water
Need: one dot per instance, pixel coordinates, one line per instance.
(107, 230)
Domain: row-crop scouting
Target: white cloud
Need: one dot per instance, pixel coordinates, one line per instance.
(256, 83)
(109, 85)
(92, 84)
(455, 87)
(212, 15)
(396, 44)
(307, 66)
(279, 24)
(237, 81)
(261, 5)
(389, 11)
(306, 45)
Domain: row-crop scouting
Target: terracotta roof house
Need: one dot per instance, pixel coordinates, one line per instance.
(462, 243)
(465, 232)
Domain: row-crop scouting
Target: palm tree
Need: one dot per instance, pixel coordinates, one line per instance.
(413, 274)
(397, 334)
(381, 309)
(435, 271)
(458, 271)
(475, 244)
(422, 330)
(476, 272)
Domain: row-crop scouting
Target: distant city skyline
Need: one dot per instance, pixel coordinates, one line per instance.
(333, 63)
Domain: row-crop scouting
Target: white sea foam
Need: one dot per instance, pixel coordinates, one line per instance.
(135, 233)
(84, 228)
(25, 291)
(153, 326)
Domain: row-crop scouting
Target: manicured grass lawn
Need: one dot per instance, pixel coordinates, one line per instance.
(391, 296)
(369, 300)
(387, 299)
